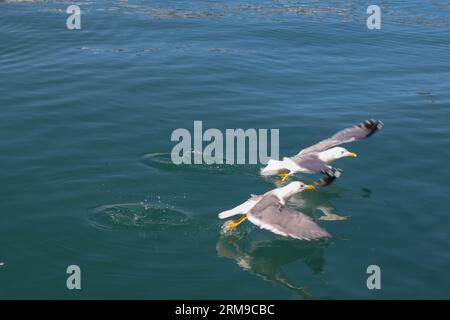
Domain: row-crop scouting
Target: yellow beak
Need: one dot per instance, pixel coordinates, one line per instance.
(310, 187)
(352, 154)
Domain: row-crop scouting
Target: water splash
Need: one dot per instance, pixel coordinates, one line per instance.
(137, 215)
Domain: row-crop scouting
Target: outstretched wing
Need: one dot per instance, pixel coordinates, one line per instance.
(312, 163)
(271, 215)
(355, 133)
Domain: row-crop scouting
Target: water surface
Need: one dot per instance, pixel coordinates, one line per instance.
(86, 118)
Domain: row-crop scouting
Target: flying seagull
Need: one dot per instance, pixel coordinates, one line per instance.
(269, 211)
(317, 158)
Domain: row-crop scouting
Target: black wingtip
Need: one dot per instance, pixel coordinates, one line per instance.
(332, 174)
(372, 125)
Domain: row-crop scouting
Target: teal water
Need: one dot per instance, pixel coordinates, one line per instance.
(86, 118)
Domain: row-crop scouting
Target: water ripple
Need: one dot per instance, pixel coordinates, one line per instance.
(163, 161)
(136, 215)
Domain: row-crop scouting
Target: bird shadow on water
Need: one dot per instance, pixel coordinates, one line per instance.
(266, 258)
(320, 206)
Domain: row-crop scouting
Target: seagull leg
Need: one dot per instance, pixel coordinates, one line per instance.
(284, 174)
(232, 224)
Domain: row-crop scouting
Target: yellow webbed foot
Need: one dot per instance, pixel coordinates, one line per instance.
(232, 224)
(284, 174)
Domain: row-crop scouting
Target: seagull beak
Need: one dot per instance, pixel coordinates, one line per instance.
(310, 187)
(352, 154)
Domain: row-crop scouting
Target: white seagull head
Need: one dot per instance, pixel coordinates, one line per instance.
(292, 188)
(335, 153)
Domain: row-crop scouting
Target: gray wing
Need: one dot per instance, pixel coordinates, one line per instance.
(273, 216)
(355, 133)
(311, 162)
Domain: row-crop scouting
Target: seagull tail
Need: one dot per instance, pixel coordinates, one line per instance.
(227, 214)
(240, 209)
(273, 166)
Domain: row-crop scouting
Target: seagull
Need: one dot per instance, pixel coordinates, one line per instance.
(269, 211)
(318, 157)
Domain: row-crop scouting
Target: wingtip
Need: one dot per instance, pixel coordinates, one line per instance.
(372, 126)
(380, 124)
(372, 123)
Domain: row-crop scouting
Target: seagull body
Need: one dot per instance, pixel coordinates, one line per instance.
(269, 211)
(317, 158)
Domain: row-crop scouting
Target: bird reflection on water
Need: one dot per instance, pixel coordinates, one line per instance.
(266, 258)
